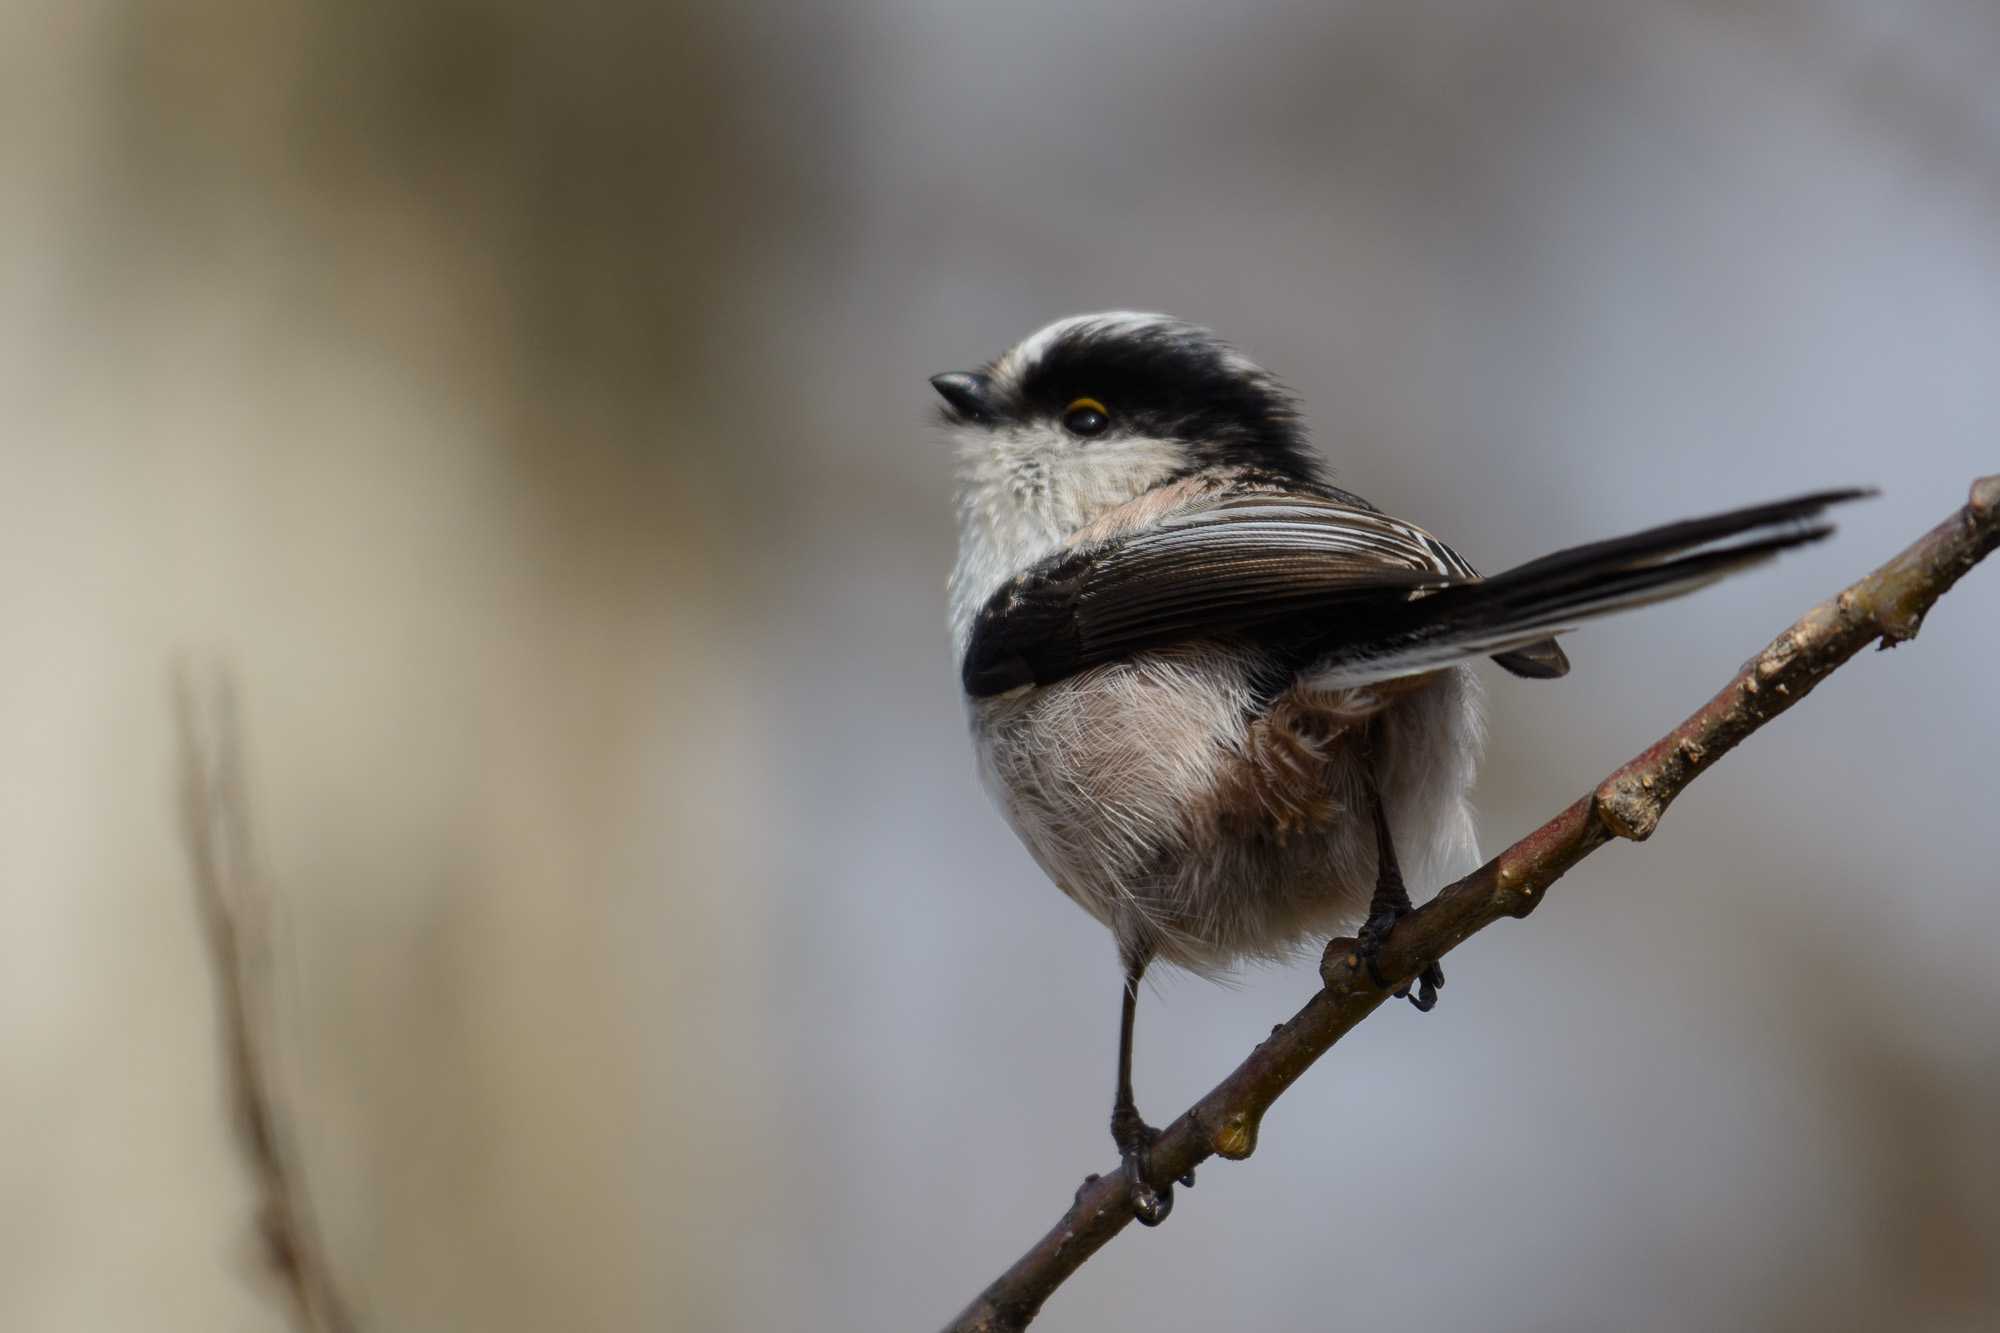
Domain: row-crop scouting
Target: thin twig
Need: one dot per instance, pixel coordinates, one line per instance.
(235, 906)
(1886, 607)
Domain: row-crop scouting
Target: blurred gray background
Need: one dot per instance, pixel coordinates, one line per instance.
(525, 405)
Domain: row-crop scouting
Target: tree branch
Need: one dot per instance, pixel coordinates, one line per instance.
(1887, 606)
(235, 906)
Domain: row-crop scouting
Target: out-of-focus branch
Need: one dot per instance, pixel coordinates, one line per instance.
(235, 906)
(1886, 607)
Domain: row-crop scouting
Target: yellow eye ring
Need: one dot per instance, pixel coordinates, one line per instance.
(1086, 417)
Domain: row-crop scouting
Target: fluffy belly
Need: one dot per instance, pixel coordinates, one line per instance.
(1163, 796)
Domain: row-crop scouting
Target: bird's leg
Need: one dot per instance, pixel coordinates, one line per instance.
(1134, 1136)
(1391, 904)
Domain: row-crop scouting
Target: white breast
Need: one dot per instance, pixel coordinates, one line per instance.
(1025, 491)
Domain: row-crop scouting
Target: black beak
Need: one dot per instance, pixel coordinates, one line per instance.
(968, 393)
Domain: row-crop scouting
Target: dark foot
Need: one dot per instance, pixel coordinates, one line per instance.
(1149, 1205)
(1390, 904)
(1368, 944)
(1135, 1139)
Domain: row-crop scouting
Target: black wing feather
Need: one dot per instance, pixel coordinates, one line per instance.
(1374, 598)
(1227, 566)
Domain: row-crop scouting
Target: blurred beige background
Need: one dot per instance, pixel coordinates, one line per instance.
(525, 405)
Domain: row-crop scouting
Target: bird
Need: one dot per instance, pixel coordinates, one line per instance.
(1220, 699)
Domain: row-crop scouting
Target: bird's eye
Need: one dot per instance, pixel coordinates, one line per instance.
(1086, 417)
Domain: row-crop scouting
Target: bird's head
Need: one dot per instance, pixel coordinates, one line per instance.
(1094, 410)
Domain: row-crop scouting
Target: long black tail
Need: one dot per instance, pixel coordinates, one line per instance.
(1511, 616)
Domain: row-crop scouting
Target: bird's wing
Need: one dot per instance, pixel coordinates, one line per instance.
(1222, 564)
(1375, 597)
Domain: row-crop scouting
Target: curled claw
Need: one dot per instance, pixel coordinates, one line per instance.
(1149, 1205)
(1428, 982)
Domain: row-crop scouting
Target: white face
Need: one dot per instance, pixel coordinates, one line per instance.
(1023, 489)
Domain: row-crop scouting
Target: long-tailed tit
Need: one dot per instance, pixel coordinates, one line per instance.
(1214, 694)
